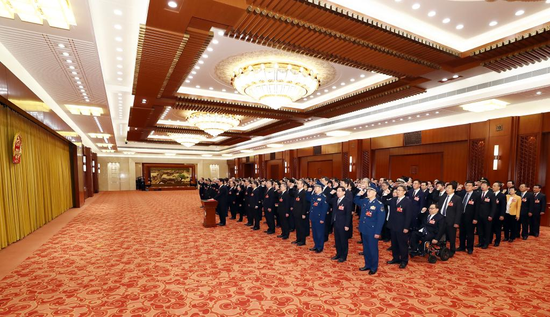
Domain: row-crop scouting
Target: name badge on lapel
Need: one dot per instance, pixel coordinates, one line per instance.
(514, 200)
(470, 202)
(340, 207)
(297, 198)
(399, 209)
(487, 200)
(417, 198)
(451, 204)
(252, 194)
(266, 196)
(281, 200)
(315, 204)
(497, 201)
(432, 222)
(537, 201)
(524, 199)
(369, 214)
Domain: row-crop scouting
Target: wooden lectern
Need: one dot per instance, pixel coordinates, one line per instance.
(209, 212)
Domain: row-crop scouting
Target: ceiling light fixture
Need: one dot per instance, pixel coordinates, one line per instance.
(416, 6)
(246, 151)
(213, 123)
(493, 23)
(520, 12)
(431, 13)
(539, 92)
(275, 145)
(446, 20)
(486, 105)
(460, 26)
(172, 4)
(117, 12)
(275, 84)
(84, 110)
(58, 13)
(187, 140)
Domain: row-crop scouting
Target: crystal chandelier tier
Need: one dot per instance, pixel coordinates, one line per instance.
(275, 84)
(213, 123)
(187, 140)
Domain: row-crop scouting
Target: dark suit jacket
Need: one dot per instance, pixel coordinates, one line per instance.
(539, 203)
(471, 208)
(500, 202)
(487, 205)
(436, 227)
(454, 209)
(285, 202)
(341, 213)
(221, 197)
(417, 201)
(527, 203)
(401, 214)
(269, 199)
(255, 197)
(436, 198)
(300, 204)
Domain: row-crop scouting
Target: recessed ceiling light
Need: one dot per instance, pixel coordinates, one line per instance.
(118, 12)
(520, 12)
(224, 90)
(119, 58)
(326, 90)
(118, 39)
(119, 79)
(118, 26)
(352, 80)
(84, 94)
(215, 41)
(455, 76)
(416, 6)
(194, 72)
(333, 87)
(65, 54)
(77, 78)
(204, 56)
(71, 67)
(460, 26)
(201, 62)
(437, 112)
(318, 94)
(119, 66)
(493, 23)
(362, 76)
(119, 49)
(197, 86)
(539, 93)
(119, 73)
(187, 81)
(446, 20)
(342, 84)
(427, 114)
(60, 45)
(197, 67)
(338, 133)
(74, 73)
(80, 86)
(69, 61)
(209, 49)
(172, 4)
(444, 79)
(431, 13)
(78, 82)
(211, 88)
(190, 77)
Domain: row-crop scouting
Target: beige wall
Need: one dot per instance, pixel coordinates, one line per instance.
(123, 176)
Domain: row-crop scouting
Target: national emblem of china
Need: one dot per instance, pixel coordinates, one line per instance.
(17, 141)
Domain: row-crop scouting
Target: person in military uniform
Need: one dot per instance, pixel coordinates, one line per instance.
(317, 215)
(371, 222)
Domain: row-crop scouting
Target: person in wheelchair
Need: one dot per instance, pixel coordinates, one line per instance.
(432, 225)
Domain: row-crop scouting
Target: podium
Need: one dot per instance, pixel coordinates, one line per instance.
(209, 212)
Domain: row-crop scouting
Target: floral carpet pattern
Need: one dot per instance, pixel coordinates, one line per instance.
(147, 254)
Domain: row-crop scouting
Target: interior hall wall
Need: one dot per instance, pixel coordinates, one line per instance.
(120, 173)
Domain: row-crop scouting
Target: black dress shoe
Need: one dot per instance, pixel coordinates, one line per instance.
(511, 240)
(255, 228)
(300, 244)
(451, 254)
(280, 236)
(312, 249)
(393, 262)
(536, 235)
(402, 265)
(372, 272)
(485, 247)
(318, 251)
(292, 230)
(334, 258)
(364, 268)
(271, 232)
(221, 224)
(470, 251)
(340, 260)
(479, 245)
(506, 239)
(496, 244)
(524, 238)
(249, 225)
(294, 242)
(266, 231)
(361, 253)
(360, 242)
(460, 249)
(233, 218)
(240, 220)
(388, 249)
(284, 237)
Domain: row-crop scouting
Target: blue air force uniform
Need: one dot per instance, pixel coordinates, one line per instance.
(371, 222)
(317, 214)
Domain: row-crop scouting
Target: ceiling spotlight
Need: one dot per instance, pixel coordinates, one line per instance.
(455, 76)
(343, 84)
(71, 67)
(119, 66)
(60, 45)
(215, 41)
(204, 56)
(77, 78)
(326, 90)
(431, 13)
(209, 49)
(211, 88)
(119, 79)
(333, 87)
(362, 76)
(493, 23)
(486, 105)
(416, 6)
(460, 26)
(194, 72)
(118, 26)
(352, 80)
(119, 49)
(444, 79)
(520, 12)
(187, 81)
(69, 61)
(201, 62)
(172, 4)
(74, 73)
(65, 54)
(446, 20)
(197, 86)
(437, 112)
(190, 77)
(197, 67)
(119, 73)
(539, 92)
(118, 12)
(118, 39)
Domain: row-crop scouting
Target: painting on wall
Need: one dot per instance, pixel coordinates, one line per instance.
(161, 176)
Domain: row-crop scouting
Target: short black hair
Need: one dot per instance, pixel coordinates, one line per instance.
(469, 182)
(452, 184)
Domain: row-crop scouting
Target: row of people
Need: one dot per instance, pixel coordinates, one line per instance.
(399, 208)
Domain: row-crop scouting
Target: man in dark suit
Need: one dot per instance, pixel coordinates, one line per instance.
(470, 217)
(487, 212)
(222, 207)
(284, 211)
(418, 200)
(256, 205)
(327, 190)
(527, 202)
(429, 230)
(450, 207)
(231, 198)
(341, 217)
(247, 207)
(385, 194)
(438, 193)
(299, 211)
(269, 207)
(539, 207)
(498, 220)
(399, 223)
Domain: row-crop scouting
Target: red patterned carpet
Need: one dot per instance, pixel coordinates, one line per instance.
(147, 254)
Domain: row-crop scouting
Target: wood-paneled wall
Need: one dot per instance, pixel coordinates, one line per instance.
(463, 151)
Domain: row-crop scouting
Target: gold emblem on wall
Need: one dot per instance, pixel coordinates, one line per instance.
(17, 142)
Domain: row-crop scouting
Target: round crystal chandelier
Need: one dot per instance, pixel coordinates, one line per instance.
(187, 140)
(213, 123)
(275, 84)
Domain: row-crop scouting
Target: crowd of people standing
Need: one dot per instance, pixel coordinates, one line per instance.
(406, 212)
